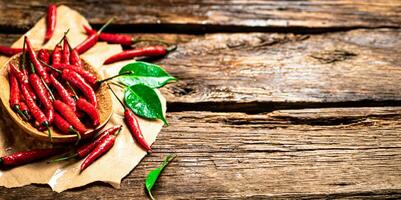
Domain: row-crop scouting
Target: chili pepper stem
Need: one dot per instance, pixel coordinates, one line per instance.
(49, 131)
(105, 25)
(78, 135)
(52, 68)
(65, 35)
(33, 69)
(48, 89)
(112, 77)
(18, 110)
(116, 96)
(73, 92)
(63, 158)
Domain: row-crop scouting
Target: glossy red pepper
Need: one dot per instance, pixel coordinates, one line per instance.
(65, 59)
(9, 51)
(43, 95)
(102, 148)
(51, 21)
(38, 66)
(69, 115)
(133, 125)
(15, 97)
(44, 56)
(22, 77)
(56, 55)
(24, 109)
(34, 109)
(112, 38)
(20, 158)
(91, 40)
(62, 92)
(77, 81)
(140, 52)
(65, 127)
(90, 110)
(75, 59)
(88, 76)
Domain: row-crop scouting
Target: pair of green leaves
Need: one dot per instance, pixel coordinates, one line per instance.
(154, 174)
(140, 83)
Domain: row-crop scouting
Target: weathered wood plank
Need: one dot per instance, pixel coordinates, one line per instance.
(209, 15)
(313, 153)
(263, 71)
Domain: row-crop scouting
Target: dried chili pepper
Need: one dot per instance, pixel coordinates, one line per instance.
(91, 40)
(38, 66)
(84, 150)
(90, 110)
(65, 59)
(77, 81)
(15, 97)
(20, 158)
(133, 125)
(62, 92)
(69, 115)
(140, 52)
(9, 51)
(105, 144)
(51, 21)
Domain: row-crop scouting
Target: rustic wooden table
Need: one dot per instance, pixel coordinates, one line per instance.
(282, 99)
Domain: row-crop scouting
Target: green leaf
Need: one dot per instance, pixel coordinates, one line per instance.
(146, 73)
(144, 101)
(154, 174)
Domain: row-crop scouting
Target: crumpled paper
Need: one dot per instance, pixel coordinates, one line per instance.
(110, 168)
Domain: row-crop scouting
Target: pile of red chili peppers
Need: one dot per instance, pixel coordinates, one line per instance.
(53, 88)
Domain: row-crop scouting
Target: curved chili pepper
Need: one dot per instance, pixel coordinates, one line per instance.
(65, 59)
(9, 51)
(90, 110)
(23, 78)
(44, 56)
(56, 55)
(140, 52)
(15, 97)
(112, 38)
(34, 109)
(24, 157)
(65, 127)
(69, 115)
(84, 150)
(77, 81)
(102, 148)
(75, 59)
(88, 76)
(62, 92)
(38, 66)
(133, 125)
(43, 96)
(51, 21)
(91, 40)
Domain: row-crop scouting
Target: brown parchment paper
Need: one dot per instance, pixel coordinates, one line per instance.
(110, 168)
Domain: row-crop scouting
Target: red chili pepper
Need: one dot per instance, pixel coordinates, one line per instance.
(88, 76)
(65, 59)
(112, 38)
(133, 125)
(140, 52)
(20, 158)
(9, 51)
(51, 21)
(75, 59)
(62, 92)
(38, 66)
(77, 81)
(44, 56)
(102, 148)
(90, 110)
(91, 40)
(84, 150)
(69, 115)
(23, 78)
(35, 110)
(15, 97)
(43, 95)
(24, 109)
(56, 55)
(65, 127)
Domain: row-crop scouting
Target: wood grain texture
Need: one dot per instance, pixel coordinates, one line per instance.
(210, 15)
(311, 153)
(259, 72)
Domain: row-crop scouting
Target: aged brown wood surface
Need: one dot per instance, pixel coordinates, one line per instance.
(313, 153)
(206, 15)
(260, 141)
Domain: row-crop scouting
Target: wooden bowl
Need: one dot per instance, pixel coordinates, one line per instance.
(102, 94)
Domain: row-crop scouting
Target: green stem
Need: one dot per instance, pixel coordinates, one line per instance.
(76, 133)
(112, 77)
(105, 25)
(33, 69)
(46, 124)
(73, 91)
(48, 89)
(63, 158)
(18, 110)
(49, 66)
(116, 96)
(64, 36)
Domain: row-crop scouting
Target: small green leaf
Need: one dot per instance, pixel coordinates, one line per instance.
(146, 73)
(154, 174)
(144, 101)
